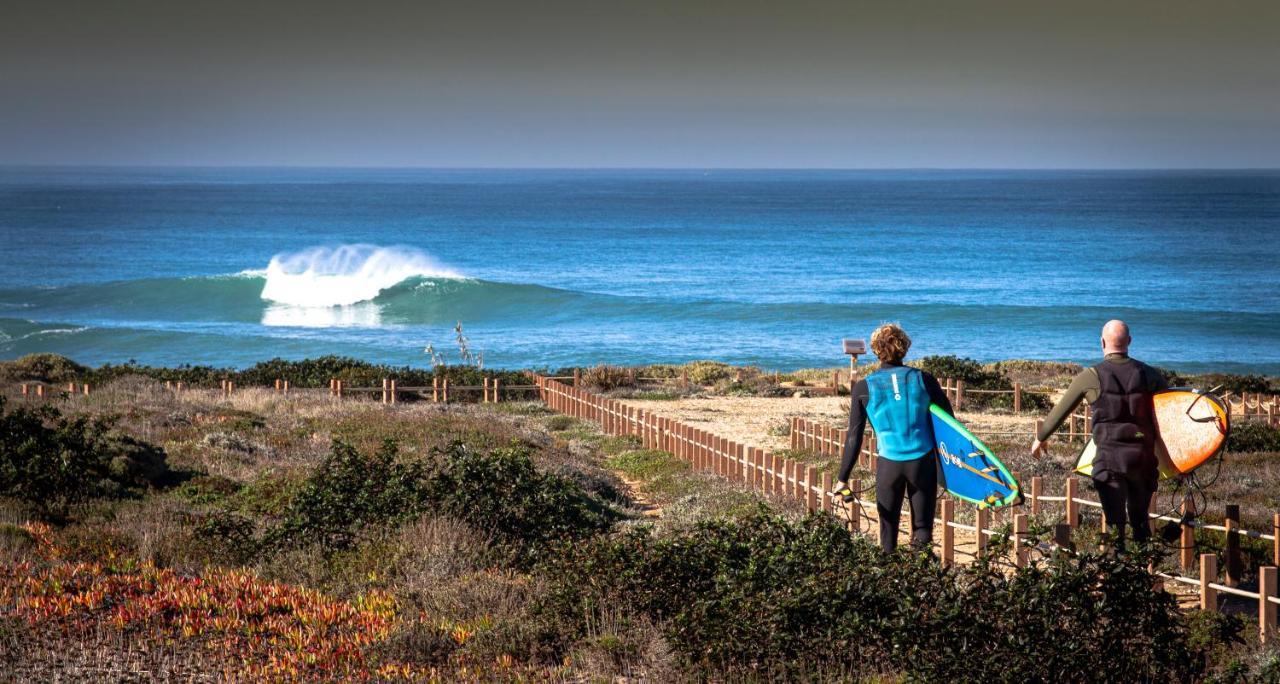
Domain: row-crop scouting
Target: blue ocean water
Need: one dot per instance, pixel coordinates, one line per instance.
(553, 268)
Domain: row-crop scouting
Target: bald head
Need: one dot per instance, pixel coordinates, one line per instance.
(1115, 337)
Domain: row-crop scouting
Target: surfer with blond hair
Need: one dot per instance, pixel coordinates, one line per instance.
(895, 399)
(1125, 470)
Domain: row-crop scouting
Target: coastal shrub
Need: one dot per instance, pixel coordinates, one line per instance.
(1229, 382)
(350, 491)
(708, 372)
(51, 462)
(52, 368)
(606, 378)
(979, 377)
(765, 598)
(1253, 436)
(499, 491)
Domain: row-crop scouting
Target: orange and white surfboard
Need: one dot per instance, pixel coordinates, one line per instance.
(1192, 427)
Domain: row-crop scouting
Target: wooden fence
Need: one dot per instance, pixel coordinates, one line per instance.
(783, 476)
(492, 390)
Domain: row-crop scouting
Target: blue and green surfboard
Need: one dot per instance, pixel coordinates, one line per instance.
(970, 471)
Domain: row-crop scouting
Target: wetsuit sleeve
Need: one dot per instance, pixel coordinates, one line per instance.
(1156, 380)
(1085, 382)
(857, 425)
(936, 395)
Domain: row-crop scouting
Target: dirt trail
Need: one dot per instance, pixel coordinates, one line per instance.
(762, 422)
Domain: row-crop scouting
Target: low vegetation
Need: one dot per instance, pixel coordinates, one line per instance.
(160, 536)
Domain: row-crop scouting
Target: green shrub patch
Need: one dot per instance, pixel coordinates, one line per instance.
(762, 597)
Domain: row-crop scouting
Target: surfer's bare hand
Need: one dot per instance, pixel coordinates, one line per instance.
(1037, 448)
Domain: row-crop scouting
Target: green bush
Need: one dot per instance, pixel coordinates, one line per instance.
(51, 462)
(51, 368)
(348, 492)
(502, 493)
(764, 598)
(708, 372)
(1228, 382)
(1253, 435)
(979, 377)
(499, 492)
(606, 378)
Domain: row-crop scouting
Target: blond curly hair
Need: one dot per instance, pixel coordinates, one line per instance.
(890, 343)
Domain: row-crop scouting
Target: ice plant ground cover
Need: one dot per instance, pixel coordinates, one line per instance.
(251, 627)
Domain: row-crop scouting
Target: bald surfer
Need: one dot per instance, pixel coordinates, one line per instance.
(896, 398)
(1125, 471)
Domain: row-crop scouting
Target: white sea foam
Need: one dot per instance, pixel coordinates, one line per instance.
(339, 276)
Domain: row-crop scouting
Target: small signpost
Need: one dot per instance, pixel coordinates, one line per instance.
(854, 348)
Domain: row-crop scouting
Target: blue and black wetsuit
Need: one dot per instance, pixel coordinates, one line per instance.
(896, 400)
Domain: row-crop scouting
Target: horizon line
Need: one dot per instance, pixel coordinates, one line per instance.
(412, 167)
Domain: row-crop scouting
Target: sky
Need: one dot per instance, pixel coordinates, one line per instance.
(487, 83)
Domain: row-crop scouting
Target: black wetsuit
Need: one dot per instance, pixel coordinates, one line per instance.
(1125, 471)
(916, 478)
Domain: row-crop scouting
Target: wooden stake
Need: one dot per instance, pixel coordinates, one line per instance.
(1233, 545)
(1266, 609)
(1017, 397)
(1187, 539)
(1208, 576)
(825, 496)
(948, 532)
(393, 390)
(811, 479)
(981, 519)
(1037, 486)
(1021, 555)
(1073, 507)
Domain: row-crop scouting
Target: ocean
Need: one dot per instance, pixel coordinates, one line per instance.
(551, 268)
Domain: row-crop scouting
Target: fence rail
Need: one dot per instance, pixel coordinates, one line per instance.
(777, 475)
(492, 390)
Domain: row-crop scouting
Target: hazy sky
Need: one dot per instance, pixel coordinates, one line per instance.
(654, 83)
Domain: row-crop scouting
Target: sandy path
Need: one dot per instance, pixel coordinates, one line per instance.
(751, 420)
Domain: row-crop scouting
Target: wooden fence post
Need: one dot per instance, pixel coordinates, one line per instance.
(393, 390)
(577, 377)
(980, 521)
(948, 532)
(279, 385)
(339, 389)
(1266, 609)
(333, 387)
(1073, 507)
(1021, 554)
(795, 431)
(811, 479)
(684, 379)
(485, 389)
(444, 390)
(835, 383)
(1062, 536)
(26, 390)
(1037, 486)
(286, 386)
(959, 394)
(497, 390)
(386, 384)
(1017, 397)
(1187, 540)
(1208, 576)
(1233, 561)
(855, 506)
(1275, 543)
(825, 495)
